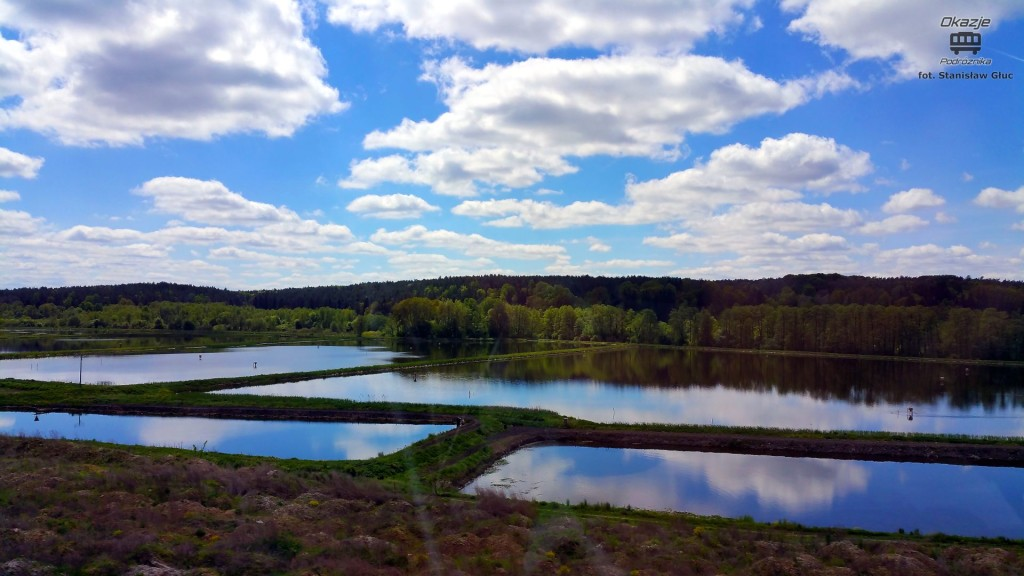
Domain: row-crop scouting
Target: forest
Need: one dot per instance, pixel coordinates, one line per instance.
(928, 317)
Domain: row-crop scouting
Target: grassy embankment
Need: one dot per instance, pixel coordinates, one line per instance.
(88, 508)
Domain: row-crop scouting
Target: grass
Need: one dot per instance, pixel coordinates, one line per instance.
(86, 508)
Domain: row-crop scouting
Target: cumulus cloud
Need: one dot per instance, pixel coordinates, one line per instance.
(210, 202)
(912, 200)
(905, 34)
(893, 225)
(9, 196)
(393, 206)
(998, 198)
(513, 124)
(418, 265)
(597, 245)
(540, 25)
(765, 181)
(933, 259)
(454, 171)
(765, 245)
(13, 163)
(15, 223)
(469, 244)
(120, 72)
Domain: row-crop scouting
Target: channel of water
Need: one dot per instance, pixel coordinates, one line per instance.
(279, 439)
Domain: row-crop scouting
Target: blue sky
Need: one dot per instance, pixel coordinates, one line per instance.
(275, 143)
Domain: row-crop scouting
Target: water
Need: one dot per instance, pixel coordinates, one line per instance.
(222, 363)
(881, 496)
(279, 439)
(688, 387)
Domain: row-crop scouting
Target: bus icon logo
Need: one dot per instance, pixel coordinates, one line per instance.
(964, 41)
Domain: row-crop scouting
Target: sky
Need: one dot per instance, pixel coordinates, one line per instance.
(254, 144)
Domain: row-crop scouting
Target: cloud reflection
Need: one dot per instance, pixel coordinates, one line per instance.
(705, 483)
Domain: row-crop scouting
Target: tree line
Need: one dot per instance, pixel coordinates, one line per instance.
(939, 316)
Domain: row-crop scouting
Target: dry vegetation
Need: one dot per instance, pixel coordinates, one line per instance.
(81, 508)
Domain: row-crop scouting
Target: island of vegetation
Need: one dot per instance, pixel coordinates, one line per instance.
(92, 508)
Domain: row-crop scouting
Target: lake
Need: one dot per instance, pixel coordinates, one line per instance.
(881, 496)
(279, 439)
(197, 360)
(695, 387)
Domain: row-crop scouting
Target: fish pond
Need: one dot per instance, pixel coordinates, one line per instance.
(276, 438)
(199, 362)
(674, 386)
(879, 496)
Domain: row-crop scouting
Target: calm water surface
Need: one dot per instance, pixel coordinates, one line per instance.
(883, 496)
(201, 362)
(280, 439)
(228, 362)
(681, 386)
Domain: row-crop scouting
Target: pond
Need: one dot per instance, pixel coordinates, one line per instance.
(195, 359)
(692, 387)
(279, 439)
(880, 496)
(217, 363)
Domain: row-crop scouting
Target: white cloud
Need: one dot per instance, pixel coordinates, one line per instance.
(469, 244)
(210, 202)
(998, 198)
(513, 124)
(912, 200)
(120, 72)
(427, 265)
(764, 180)
(1018, 226)
(906, 34)
(15, 223)
(13, 163)
(597, 245)
(540, 25)
(943, 218)
(395, 206)
(453, 171)
(9, 196)
(773, 172)
(513, 213)
(967, 177)
(766, 244)
(791, 217)
(893, 225)
(933, 259)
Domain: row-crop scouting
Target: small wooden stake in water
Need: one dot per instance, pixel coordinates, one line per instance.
(80, 359)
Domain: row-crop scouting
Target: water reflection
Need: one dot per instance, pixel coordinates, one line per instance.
(280, 439)
(677, 386)
(229, 362)
(881, 496)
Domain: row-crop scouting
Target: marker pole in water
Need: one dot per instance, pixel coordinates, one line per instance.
(80, 360)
